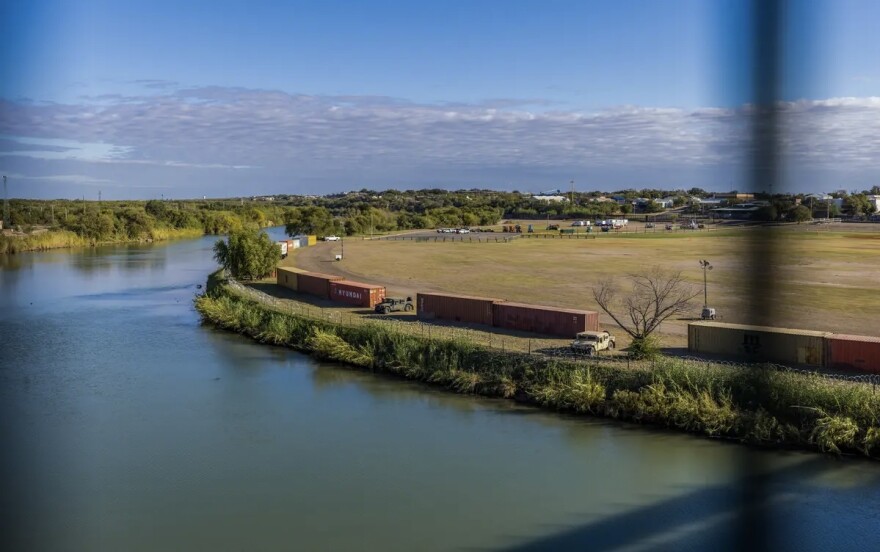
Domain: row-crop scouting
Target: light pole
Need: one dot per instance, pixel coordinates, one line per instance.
(706, 268)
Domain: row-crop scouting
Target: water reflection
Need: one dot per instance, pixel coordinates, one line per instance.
(141, 429)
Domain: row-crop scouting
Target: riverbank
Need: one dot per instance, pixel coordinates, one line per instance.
(764, 407)
(57, 239)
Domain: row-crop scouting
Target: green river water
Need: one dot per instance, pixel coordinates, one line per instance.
(128, 425)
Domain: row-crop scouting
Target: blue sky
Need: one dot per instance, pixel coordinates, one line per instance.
(184, 99)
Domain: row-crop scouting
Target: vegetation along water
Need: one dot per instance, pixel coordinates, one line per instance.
(129, 425)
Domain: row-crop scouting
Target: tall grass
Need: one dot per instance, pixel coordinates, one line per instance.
(38, 242)
(56, 239)
(752, 405)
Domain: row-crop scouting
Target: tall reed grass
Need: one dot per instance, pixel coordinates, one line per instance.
(762, 406)
(57, 239)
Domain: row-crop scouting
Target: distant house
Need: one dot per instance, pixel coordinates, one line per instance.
(549, 198)
(666, 202)
(708, 202)
(875, 201)
(621, 200)
(601, 199)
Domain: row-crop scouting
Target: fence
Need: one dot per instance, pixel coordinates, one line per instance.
(509, 343)
(458, 238)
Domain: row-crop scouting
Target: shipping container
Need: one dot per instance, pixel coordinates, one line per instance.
(293, 244)
(356, 293)
(853, 352)
(457, 308)
(315, 284)
(286, 277)
(282, 245)
(312, 240)
(544, 320)
(758, 343)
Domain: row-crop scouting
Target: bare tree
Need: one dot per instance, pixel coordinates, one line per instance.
(656, 295)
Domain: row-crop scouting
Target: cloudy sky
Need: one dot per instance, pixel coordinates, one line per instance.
(185, 99)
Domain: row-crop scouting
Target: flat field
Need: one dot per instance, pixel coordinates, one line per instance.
(825, 279)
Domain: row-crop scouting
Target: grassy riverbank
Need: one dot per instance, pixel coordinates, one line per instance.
(55, 239)
(765, 407)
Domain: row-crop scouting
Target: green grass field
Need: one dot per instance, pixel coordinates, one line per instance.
(826, 280)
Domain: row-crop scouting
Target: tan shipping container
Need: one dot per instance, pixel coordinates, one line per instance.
(854, 352)
(286, 277)
(758, 343)
(456, 308)
(544, 320)
(356, 293)
(315, 284)
(312, 240)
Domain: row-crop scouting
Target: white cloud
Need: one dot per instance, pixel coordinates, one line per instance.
(275, 133)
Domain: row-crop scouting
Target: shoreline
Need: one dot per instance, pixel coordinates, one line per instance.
(62, 239)
(765, 408)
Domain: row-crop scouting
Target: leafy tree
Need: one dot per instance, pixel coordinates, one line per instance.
(627, 208)
(311, 220)
(800, 213)
(248, 254)
(766, 213)
(857, 204)
(156, 208)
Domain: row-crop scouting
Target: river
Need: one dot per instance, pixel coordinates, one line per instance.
(128, 425)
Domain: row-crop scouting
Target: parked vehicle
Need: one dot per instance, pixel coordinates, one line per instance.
(553, 227)
(463, 231)
(649, 225)
(395, 304)
(283, 246)
(669, 227)
(590, 343)
(331, 238)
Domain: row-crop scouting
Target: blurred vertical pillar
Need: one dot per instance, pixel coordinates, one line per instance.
(754, 528)
(764, 152)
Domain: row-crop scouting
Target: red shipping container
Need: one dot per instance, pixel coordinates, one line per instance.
(356, 293)
(854, 352)
(544, 320)
(315, 284)
(457, 308)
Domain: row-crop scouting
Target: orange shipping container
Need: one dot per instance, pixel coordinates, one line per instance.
(457, 308)
(544, 320)
(356, 293)
(854, 352)
(315, 284)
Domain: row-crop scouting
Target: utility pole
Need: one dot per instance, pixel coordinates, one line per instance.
(371, 224)
(5, 202)
(571, 194)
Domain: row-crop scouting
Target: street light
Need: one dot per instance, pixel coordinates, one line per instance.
(708, 314)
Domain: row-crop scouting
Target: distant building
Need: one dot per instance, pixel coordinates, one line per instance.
(738, 196)
(550, 198)
(875, 201)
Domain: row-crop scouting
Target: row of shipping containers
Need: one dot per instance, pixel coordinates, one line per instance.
(499, 313)
(786, 346)
(328, 286)
(287, 246)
